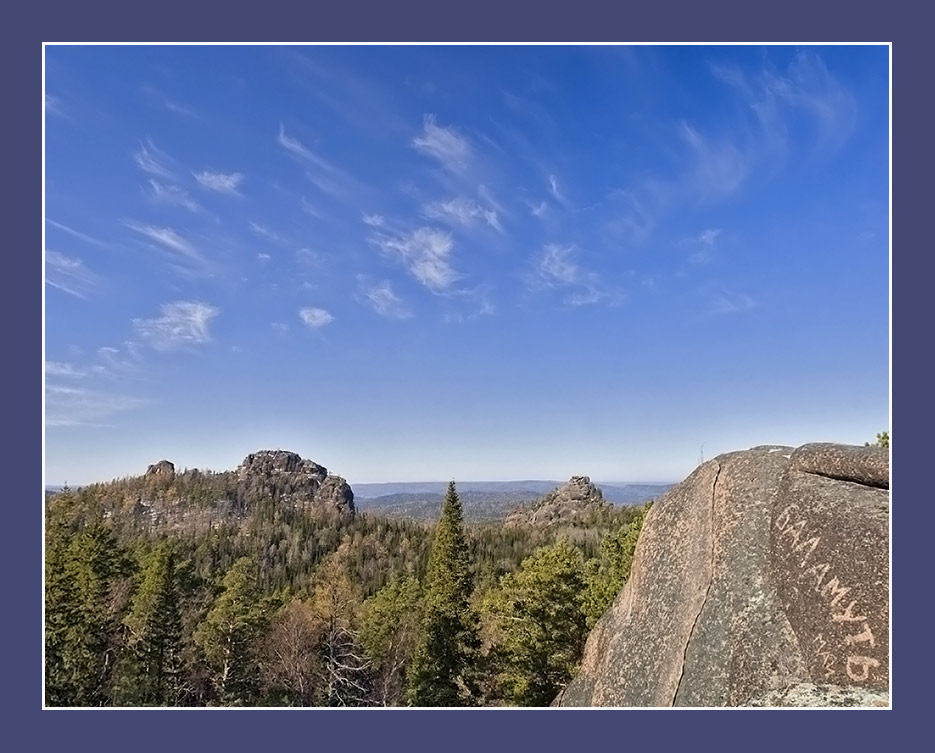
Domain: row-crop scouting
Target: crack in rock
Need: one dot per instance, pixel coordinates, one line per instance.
(704, 601)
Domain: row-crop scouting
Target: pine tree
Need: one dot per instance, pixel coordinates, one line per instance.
(442, 672)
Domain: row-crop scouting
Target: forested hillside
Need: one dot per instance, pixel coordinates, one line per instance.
(265, 586)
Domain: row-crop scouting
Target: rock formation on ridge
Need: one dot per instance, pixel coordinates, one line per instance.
(292, 479)
(162, 469)
(761, 580)
(572, 499)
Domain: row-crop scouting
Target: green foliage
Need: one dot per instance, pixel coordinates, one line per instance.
(539, 625)
(607, 575)
(226, 636)
(151, 599)
(86, 587)
(883, 440)
(152, 663)
(442, 668)
(390, 626)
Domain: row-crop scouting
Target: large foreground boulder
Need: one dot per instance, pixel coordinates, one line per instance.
(760, 580)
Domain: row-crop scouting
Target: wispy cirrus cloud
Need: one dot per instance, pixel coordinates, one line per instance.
(717, 167)
(182, 323)
(69, 275)
(153, 161)
(172, 196)
(53, 106)
(315, 318)
(264, 232)
(81, 406)
(374, 220)
(702, 245)
(728, 302)
(780, 100)
(445, 144)
(557, 268)
(327, 177)
(633, 214)
(168, 238)
(66, 370)
(802, 111)
(382, 299)
(461, 212)
(170, 105)
(77, 234)
(426, 254)
(228, 183)
(555, 191)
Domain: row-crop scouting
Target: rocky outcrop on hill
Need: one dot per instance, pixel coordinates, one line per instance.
(162, 469)
(288, 477)
(573, 499)
(761, 580)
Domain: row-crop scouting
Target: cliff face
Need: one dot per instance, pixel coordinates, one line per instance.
(760, 580)
(293, 480)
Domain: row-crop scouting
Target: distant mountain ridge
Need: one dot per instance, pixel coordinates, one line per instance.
(482, 502)
(618, 492)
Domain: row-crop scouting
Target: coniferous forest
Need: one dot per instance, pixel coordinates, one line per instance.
(193, 590)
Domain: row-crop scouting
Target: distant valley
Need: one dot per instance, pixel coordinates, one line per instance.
(482, 501)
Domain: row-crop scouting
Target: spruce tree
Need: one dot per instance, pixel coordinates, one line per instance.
(81, 618)
(227, 634)
(153, 663)
(443, 667)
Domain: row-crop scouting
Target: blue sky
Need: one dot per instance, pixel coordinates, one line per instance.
(471, 262)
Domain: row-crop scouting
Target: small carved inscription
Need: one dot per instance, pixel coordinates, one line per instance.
(793, 534)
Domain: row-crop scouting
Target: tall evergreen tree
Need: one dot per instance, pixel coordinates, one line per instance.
(153, 664)
(442, 672)
(83, 605)
(227, 635)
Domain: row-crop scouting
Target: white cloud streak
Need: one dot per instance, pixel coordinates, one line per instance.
(79, 235)
(315, 318)
(557, 269)
(227, 183)
(168, 238)
(425, 252)
(264, 232)
(172, 195)
(732, 303)
(461, 212)
(381, 298)
(77, 406)
(445, 144)
(69, 275)
(67, 370)
(149, 159)
(182, 323)
(327, 177)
